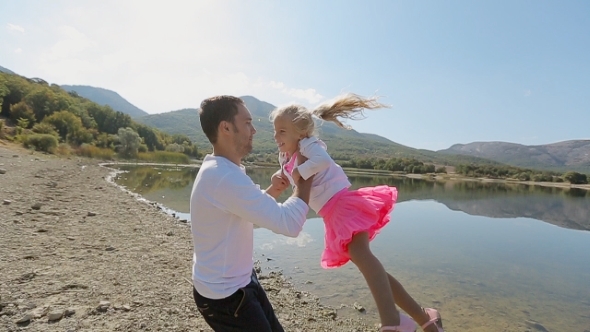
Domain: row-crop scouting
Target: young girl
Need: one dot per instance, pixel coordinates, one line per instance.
(352, 218)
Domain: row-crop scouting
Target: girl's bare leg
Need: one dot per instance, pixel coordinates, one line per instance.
(408, 304)
(376, 277)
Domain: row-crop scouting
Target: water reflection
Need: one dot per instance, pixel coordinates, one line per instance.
(564, 207)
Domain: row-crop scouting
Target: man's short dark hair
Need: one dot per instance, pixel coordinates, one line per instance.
(216, 109)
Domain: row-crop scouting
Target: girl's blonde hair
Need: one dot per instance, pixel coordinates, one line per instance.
(348, 106)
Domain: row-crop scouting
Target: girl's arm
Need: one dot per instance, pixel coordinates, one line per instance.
(318, 160)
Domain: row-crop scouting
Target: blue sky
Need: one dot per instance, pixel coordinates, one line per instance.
(453, 71)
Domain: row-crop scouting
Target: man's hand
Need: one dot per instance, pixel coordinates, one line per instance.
(301, 159)
(295, 175)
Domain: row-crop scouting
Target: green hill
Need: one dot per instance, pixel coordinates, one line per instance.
(106, 97)
(343, 144)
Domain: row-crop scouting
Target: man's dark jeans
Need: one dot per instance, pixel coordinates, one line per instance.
(248, 309)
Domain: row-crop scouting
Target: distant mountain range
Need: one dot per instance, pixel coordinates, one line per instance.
(562, 156)
(106, 97)
(6, 70)
(572, 155)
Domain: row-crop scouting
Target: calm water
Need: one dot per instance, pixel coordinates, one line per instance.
(491, 257)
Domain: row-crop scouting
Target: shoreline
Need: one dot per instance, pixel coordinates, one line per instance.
(426, 177)
(80, 254)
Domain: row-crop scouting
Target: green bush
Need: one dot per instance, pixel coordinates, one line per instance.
(45, 128)
(41, 142)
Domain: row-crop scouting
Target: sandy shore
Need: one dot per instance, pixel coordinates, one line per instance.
(80, 254)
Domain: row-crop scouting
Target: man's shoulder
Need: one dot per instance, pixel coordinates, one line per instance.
(222, 173)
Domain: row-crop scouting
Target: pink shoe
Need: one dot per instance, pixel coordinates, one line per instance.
(434, 319)
(406, 324)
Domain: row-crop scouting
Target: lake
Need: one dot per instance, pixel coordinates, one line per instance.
(489, 256)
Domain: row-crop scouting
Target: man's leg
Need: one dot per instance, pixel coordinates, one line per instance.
(266, 306)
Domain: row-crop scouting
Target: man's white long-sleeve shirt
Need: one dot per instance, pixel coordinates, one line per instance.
(225, 205)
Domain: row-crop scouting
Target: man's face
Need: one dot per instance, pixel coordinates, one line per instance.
(243, 131)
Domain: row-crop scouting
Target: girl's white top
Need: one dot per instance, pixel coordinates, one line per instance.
(329, 177)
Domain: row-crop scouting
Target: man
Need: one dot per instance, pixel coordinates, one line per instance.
(225, 206)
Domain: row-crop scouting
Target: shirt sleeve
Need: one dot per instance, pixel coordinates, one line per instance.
(243, 198)
(318, 160)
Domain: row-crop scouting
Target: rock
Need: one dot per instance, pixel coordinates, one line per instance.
(2, 171)
(69, 312)
(24, 319)
(36, 206)
(536, 325)
(39, 312)
(55, 315)
(6, 202)
(103, 306)
(358, 307)
(91, 214)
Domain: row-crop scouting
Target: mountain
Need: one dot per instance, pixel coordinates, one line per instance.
(106, 97)
(342, 143)
(6, 70)
(568, 155)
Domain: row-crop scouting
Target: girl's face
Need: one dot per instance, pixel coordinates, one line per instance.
(286, 134)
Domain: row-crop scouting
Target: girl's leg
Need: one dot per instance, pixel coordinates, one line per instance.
(408, 304)
(376, 277)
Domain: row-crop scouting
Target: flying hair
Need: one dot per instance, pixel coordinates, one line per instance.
(346, 106)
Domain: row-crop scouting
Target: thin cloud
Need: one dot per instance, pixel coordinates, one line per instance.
(310, 95)
(527, 93)
(18, 50)
(14, 27)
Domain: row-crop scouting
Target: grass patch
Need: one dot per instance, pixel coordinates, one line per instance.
(91, 151)
(163, 157)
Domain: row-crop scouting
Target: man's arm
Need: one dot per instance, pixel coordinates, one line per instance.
(240, 196)
(303, 189)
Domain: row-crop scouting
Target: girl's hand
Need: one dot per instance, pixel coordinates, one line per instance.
(279, 181)
(278, 184)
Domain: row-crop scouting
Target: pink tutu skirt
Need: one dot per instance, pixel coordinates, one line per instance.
(350, 212)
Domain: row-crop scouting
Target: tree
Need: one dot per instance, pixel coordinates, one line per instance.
(22, 111)
(17, 88)
(151, 137)
(575, 178)
(65, 123)
(129, 142)
(174, 147)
